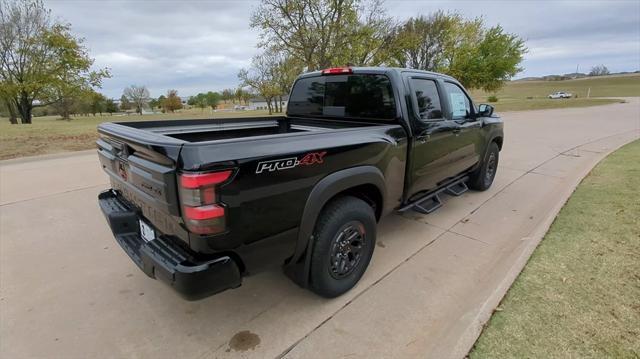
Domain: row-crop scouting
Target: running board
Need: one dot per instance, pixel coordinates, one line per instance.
(428, 205)
(431, 201)
(457, 189)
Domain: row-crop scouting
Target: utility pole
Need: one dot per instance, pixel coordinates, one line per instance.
(575, 76)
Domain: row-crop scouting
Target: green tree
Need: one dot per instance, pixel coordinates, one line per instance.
(419, 43)
(154, 103)
(138, 96)
(124, 103)
(160, 102)
(7, 103)
(40, 59)
(477, 56)
(110, 107)
(97, 102)
(199, 101)
(487, 61)
(66, 105)
(212, 99)
(227, 95)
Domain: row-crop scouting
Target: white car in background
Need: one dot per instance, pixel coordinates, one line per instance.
(560, 94)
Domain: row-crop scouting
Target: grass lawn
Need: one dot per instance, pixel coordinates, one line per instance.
(49, 134)
(532, 95)
(513, 104)
(579, 294)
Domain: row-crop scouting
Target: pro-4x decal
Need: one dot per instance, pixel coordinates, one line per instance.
(291, 162)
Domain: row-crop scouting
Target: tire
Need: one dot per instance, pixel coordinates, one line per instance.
(337, 264)
(482, 178)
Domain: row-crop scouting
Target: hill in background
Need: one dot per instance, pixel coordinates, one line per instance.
(619, 85)
(571, 76)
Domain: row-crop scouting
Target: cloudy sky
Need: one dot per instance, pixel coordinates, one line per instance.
(196, 46)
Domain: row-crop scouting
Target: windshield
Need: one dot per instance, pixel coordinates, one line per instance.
(352, 96)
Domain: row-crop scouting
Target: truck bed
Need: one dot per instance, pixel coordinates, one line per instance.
(194, 131)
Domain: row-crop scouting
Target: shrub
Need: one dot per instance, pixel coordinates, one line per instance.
(492, 98)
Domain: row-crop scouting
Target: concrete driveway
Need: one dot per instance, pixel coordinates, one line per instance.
(68, 291)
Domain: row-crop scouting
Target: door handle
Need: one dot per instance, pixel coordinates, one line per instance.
(423, 138)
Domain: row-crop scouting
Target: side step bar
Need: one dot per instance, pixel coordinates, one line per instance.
(431, 201)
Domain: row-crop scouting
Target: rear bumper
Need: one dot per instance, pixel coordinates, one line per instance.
(162, 259)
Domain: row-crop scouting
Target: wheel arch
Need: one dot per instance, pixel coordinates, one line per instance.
(498, 140)
(364, 182)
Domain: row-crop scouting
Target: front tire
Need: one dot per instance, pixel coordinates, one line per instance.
(344, 239)
(482, 178)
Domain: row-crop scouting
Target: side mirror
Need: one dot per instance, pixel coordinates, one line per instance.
(485, 110)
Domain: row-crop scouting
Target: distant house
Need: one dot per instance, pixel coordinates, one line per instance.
(259, 103)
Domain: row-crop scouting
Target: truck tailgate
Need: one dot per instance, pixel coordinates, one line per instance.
(145, 174)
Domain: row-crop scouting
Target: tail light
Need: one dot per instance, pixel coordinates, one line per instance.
(337, 71)
(200, 208)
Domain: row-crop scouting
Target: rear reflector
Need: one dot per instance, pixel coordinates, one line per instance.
(337, 71)
(197, 180)
(203, 212)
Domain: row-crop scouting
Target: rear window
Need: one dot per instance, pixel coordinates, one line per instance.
(354, 96)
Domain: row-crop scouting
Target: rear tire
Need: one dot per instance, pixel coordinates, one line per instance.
(482, 178)
(344, 239)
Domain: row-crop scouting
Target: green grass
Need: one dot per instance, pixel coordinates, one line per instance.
(545, 103)
(579, 294)
(532, 95)
(50, 134)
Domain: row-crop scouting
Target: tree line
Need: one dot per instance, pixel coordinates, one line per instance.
(306, 35)
(43, 65)
(138, 98)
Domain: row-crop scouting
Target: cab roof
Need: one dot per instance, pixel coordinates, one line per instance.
(383, 70)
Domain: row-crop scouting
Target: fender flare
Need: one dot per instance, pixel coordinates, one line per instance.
(300, 263)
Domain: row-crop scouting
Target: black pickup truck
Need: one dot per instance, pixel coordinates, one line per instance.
(199, 204)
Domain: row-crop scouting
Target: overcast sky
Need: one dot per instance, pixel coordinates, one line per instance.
(200, 45)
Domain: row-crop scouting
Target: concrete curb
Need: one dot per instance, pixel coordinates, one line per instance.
(471, 334)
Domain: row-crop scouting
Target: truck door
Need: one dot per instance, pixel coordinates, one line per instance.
(467, 142)
(434, 151)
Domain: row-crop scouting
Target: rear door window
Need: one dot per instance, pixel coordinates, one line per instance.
(427, 99)
(349, 96)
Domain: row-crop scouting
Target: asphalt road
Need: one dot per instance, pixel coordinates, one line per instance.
(68, 291)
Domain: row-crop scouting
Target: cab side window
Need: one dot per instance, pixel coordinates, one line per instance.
(428, 101)
(460, 104)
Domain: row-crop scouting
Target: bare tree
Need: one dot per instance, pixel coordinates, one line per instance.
(285, 71)
(324, 33)
(260, 77)
(138, 96)
(599, 70)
